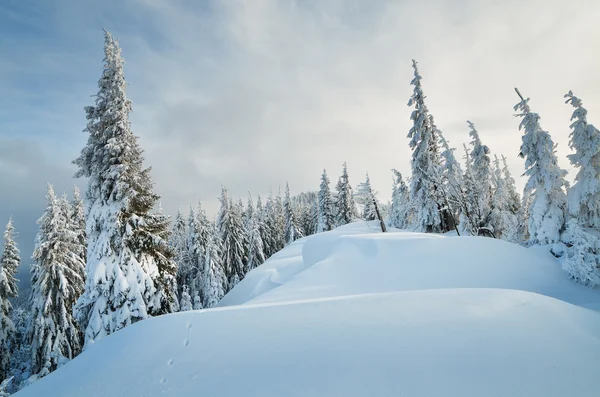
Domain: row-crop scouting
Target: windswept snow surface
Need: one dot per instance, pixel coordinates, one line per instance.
(358, 313)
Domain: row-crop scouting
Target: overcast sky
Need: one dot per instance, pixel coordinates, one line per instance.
(251, 94)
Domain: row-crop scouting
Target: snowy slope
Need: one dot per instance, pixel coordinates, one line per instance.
(355, 313)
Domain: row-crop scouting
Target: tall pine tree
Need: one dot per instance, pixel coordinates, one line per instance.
(344, 200)
(129, 265)
(366, 197)
(546, 184)
(400, 210)
(292, 231)
(9, 263)
(425, 162)
(481, 177)
(231, 234)
(584, 195)
(325, 210)
(56, 284)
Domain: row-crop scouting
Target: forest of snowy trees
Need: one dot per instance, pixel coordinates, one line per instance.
(111, 259)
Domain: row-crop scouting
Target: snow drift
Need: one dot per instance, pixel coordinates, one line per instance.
(357, 313)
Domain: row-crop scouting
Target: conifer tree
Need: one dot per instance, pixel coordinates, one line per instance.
(270, 228)
(584, 195)
(344, 200)
(78, 220)
(256, 251)
(325, 213)
(366, 198)
(400, 210)
(546, 183)
(425, 162)
(502, 218)
(178, 243)
(470, 215)
(292, 231)
(480, 163)
(9, 263)
(55, 286)
(509, 183)
(214, 281)
(231, 235)
(279, 217)
(129, 265)
(185, 302)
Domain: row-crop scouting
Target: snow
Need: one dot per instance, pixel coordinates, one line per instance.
(354, 312)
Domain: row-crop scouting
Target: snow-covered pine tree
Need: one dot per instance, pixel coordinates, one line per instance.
(584, 195)
(265, 231)
(304, 206)
(9, 263)
(129, 265)
(292, 231)
(279, 217)
(214, 281)
(469, 215)
(425, 162)
(509, 183)
(231, 234)
(55, 286)
(400, 209)
(366, 198)
(502, 219)
(185, 302)
(326, 212)
(546, 183)
(270, 227)
(178, 243)
(344, 200)
(256, 251)
(582, 261)
(249, 213)
(78, 220)
(480, 162)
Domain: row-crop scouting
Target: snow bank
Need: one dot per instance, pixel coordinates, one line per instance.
(349, 262)
(358, 313)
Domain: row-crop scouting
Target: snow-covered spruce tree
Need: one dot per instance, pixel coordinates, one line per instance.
(279, 222)
(469, 216)
(265, 231)
(400, 209)
(256, 251)
(55, 286)
(546, 183)
(231, 234)
(178, 243)
(9, 263)
(509, 183)
(344, 200)
(584, 195)
(214, 281)
(78, 220)
(425, 162)
(452, 175)
(582, 261)
(249, 213)
(480, 162)
(502, 217)
(325, 214)
(292, 231)
(366, 198)
(129, 266)
(185, 301)
(273, 240)
(304, 206)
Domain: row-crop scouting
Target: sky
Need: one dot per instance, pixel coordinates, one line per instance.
(253, 94)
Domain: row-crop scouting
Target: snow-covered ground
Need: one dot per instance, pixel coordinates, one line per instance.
(359, 313)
